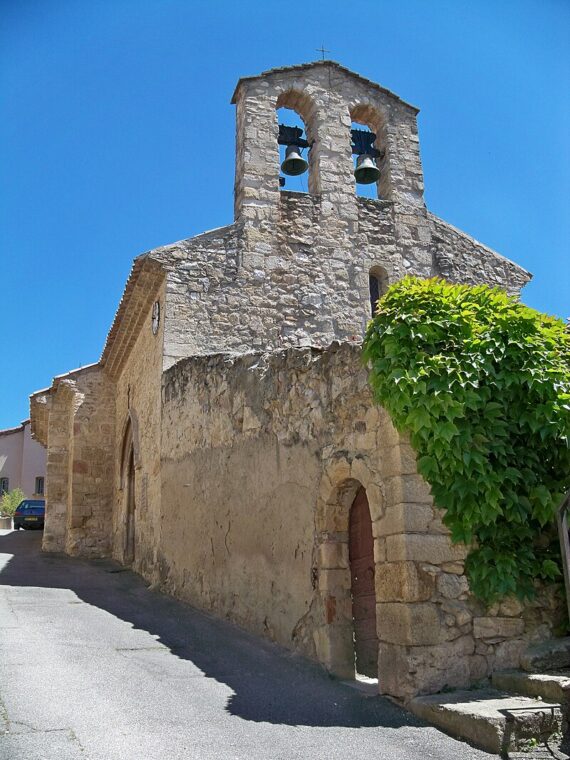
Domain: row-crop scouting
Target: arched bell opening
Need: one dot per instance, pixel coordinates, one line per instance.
(369, 153)
(296, 162)
(378, 284)
(366, 172)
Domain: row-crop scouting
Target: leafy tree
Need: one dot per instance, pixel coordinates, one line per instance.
(481, 383)
(10, 500)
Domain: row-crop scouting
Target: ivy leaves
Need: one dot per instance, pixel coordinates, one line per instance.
(481, 383)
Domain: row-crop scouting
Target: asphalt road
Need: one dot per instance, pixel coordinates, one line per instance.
(94, 666)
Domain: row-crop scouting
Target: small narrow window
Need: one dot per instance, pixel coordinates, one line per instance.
(378, 285)
(4, 485)
(39, 486)
(374, 292)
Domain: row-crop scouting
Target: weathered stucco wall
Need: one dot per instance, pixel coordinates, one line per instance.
(138, 403)
(11, 456)
(22, 460)
(235, 535)
(33, 463)
(261, 459)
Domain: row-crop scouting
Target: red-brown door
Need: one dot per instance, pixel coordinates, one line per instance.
(361, 554)
(130, 527)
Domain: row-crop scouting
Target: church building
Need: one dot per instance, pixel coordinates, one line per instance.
(226, 445)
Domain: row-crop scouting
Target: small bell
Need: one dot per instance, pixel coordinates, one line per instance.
(294, 164)
(366, 170)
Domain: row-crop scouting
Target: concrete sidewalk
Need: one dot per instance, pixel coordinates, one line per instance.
(94, 666)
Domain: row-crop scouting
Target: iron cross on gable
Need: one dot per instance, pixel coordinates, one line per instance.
(322, 50)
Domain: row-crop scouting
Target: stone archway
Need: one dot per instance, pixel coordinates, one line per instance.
(343, 617)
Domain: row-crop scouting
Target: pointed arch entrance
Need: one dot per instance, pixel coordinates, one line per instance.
(362, 588)
(129, 550)
(347, 643)
(129, 463)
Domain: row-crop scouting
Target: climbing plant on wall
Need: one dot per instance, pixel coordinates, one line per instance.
(481, 383)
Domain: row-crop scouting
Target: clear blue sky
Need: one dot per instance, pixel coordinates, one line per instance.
(117, 136)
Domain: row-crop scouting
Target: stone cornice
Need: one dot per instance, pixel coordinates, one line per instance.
(315, 64)
(438, 222)
(144, 280)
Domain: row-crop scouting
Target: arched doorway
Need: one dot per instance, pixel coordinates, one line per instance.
(363, 591)
(129, 462)
(347, 642)
(129, 553)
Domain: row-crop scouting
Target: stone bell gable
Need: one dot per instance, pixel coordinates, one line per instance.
(222, 440)
(295, 269)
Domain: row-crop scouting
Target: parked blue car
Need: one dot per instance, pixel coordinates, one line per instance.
(30, 514)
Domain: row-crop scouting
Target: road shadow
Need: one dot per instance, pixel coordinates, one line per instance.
(270, 684)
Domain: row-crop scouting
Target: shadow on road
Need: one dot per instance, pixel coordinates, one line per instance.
(269, 683)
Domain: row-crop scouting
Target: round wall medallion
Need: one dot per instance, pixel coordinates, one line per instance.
(155, 321)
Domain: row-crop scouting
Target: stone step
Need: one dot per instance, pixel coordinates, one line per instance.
(492, 720)
(549, 655)
(552, 687)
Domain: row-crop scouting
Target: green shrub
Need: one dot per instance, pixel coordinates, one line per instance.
(10, 500)
(481, 383)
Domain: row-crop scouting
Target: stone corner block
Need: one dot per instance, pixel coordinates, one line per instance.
(414, 624)
(418, 547)
(404, 518)
(497, 628)
(403, 582)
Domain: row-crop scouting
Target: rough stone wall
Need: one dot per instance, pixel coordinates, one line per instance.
(89, 513)
(203, 295)
(59, 429)
(261, 459)
(137, 398)
(80, 428)
(460, 258)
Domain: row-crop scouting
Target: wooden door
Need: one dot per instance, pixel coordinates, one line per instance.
(130, 527)
(361, 554)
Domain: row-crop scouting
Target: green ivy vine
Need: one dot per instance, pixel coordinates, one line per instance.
(481, 383)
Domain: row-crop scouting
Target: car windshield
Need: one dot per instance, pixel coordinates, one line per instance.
(27, 506)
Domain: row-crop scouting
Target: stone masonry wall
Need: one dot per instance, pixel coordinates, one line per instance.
(58, 432)
(89, 512)
(460, 258)
(80, 428)
(261, 459)
(302, 295)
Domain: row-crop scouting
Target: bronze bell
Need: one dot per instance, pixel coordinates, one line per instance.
(366, 170)
(294, 163)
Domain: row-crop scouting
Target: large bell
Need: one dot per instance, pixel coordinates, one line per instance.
(366, 171)
(294, 163)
